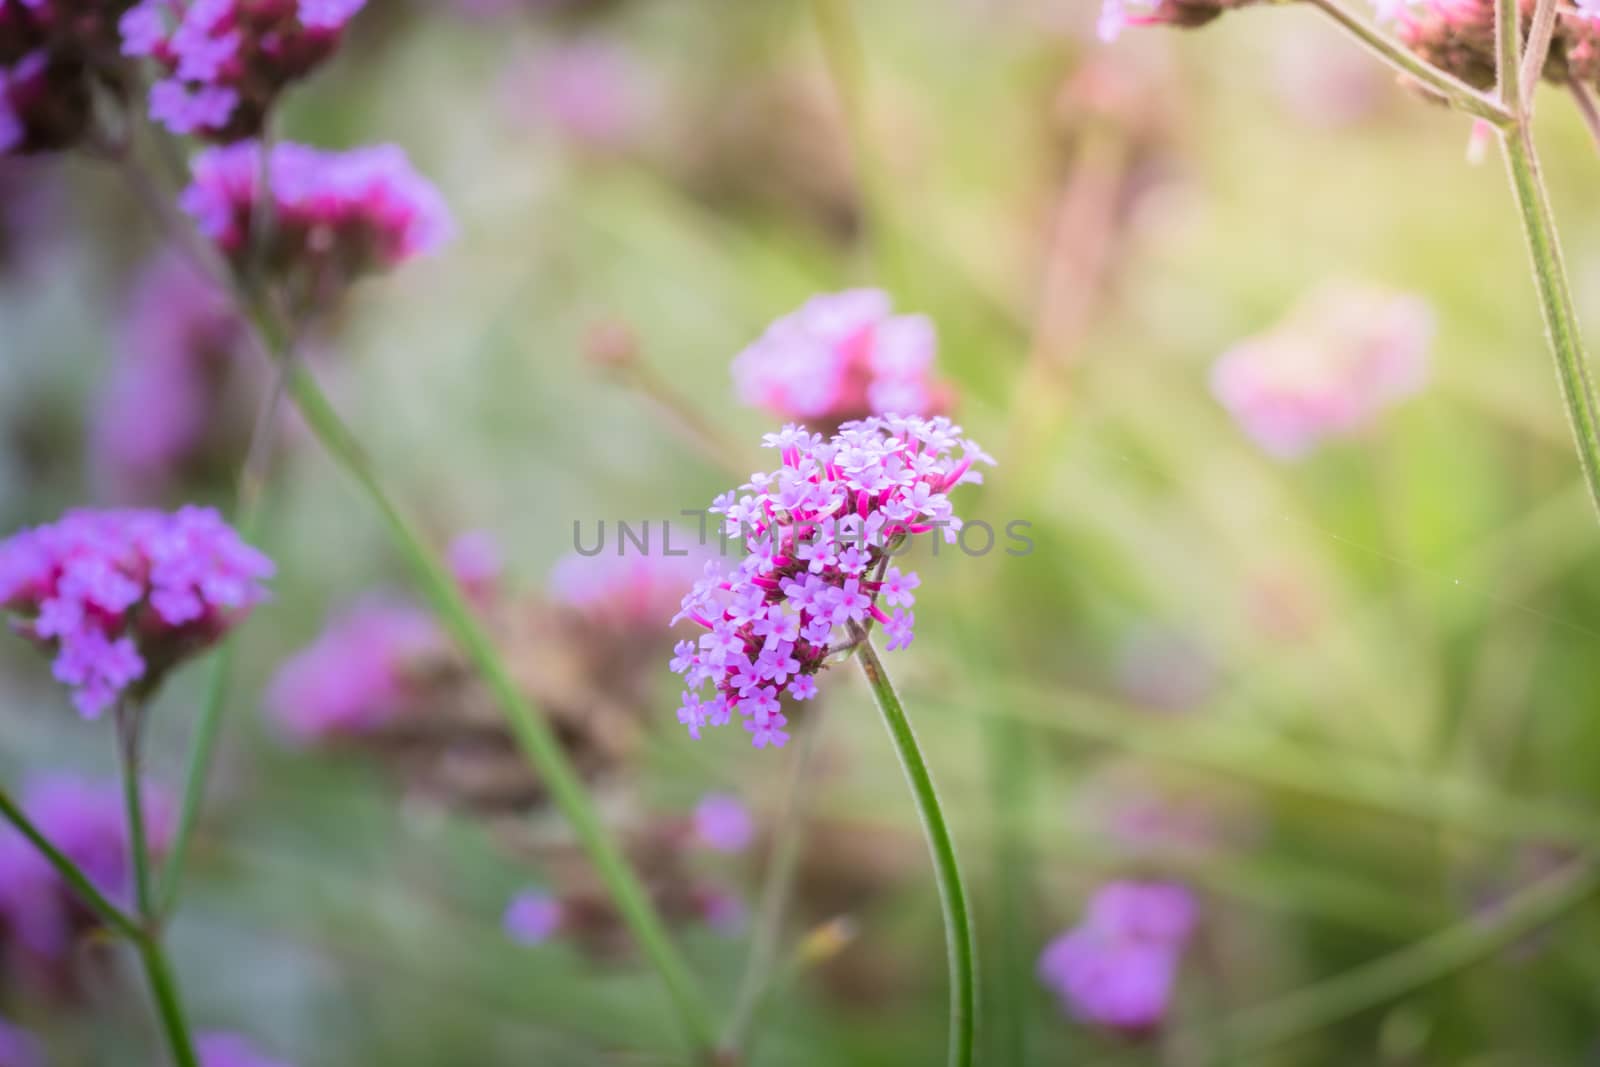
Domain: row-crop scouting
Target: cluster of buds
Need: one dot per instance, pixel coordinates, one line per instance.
(665, 852)
(42, 920)
(227, 60)
(1458, 36)
(334, 216)
(120, 597)
(1117, 968)
(178, 402)
(1338, 360)
(840, 357)
(55, 55)
(384, 680)
(821, 532)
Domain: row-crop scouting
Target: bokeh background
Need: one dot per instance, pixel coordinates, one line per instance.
(1348, 698)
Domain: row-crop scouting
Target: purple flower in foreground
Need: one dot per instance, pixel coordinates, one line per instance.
(356, 676)
(335, 215)
(722, 823)
(231, 1050)
(226, 61)
(86, 821)
(774, 618)
(121, 596)
(1117, 968)
(533, 918)
(18, 1048)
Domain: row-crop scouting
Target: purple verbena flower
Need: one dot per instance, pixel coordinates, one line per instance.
(121, 596)
(533, 917)
(335, 215)
(356, 676)
(843, 356)
(723, 823)
(771, 625)
(1117, 968)
(227, 61)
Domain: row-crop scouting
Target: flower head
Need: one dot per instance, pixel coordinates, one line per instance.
(1118, 966)
(18, 1048)
(773, 619)
(843, 356)
(1329, 369)
(231, 1050)
(226, 61)
(722, 823)
(335, 215)
(56, 56)
(173, 392)
(533, 917)
(86, 821)
(121, 596)
(358, 675)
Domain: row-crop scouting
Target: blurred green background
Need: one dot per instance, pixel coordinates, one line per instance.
(1384, 651)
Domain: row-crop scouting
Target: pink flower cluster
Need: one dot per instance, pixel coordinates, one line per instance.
(842, 356)
(1337, 361)
(39, 915)
(121, 596)
(357, 675)
(1117, 968)
(335, 215)
(1458, 36)
(227, 60)
(628, 592)
(820, 532)
(54, 54)
(165, 400)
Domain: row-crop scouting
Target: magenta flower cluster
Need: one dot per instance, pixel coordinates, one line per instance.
(820, 532)
(122, 595)
(335, 215)
(227, 60)
(842, 356)
(1117, 968)
(357, 676)
(54, 56)
(39, 914)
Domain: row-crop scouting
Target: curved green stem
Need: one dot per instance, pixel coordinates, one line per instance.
(532, 732)
(158, 973)
(113, 916)
(1413, 967)
(952, 894)
(1447, 87)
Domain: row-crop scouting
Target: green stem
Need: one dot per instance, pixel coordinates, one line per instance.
(113, 916)
(952, 894)
(158, 973)
(1450, 89)
(1418, 965)
(757, 979)
(1549, 270)
(532, 732)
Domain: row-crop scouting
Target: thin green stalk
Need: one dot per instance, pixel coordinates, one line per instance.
(1544, 248)
(1423, 963)
(757, 978)
(532, 732)
(158, 973)
(113, 916)
(1452, 90)
(952, 894)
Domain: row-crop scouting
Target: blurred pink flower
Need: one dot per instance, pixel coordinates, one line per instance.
(478, 565)
(1338, 360)
(592, 92)
(231, 1050)
(56, 57)
(636, 590)
(723, 823)
(356, 676)
(843, 356)
(18, 1048)
(533, 917)
(1118, 966)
